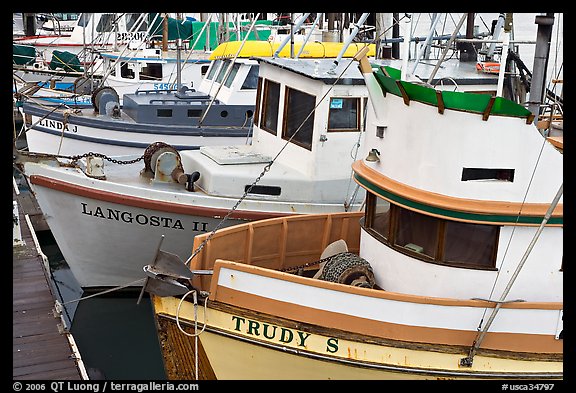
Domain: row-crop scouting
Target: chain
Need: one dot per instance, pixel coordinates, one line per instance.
(296, 268)
(121, 162)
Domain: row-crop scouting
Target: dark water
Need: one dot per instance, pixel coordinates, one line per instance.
(114, 333)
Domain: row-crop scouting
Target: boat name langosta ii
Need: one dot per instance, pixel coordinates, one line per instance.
(141, 219)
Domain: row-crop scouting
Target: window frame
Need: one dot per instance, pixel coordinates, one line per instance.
(358, 112)
(266, 110)
(307, 123)
(441, 240)
(258, 100)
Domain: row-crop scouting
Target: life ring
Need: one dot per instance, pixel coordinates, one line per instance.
(488, 67)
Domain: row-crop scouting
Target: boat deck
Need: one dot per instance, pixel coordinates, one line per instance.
(41, 348)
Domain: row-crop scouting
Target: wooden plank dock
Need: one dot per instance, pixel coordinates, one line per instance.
(42, 348)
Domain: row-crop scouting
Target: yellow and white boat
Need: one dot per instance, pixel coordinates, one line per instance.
(454, 270)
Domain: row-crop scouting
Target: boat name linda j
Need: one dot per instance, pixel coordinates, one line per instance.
(57, 125)
(141, 219)
(283, 335)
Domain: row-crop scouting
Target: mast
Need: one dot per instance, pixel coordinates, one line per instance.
(395, 34)
(165, 33)
(318, 19)
(541, 54)
(504, 55)
(350, 38)
(290, 36)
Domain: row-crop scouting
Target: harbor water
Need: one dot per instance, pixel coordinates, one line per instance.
(115, 334)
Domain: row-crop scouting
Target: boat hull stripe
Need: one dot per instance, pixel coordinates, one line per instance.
(485, 212)
(144, 203)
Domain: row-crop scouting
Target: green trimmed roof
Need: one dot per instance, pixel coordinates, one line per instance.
(389, 80)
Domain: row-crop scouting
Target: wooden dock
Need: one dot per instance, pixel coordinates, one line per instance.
(42, 348)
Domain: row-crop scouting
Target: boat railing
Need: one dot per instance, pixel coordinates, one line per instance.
(487, 105)
(283, 243)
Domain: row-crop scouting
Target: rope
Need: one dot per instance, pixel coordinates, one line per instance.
(105, 291)
(195, 300)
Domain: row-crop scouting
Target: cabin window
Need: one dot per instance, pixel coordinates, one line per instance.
(135, 19)
(263, 190)
(379, 220)
(257, 107)
(112, 66)
(106, 23)
(250, 83)
(468, 243)
(299, 117)
(487, 174)
(127, 71)
(417, 232)
(344, 114)
(204, 69)
(194, 112)
(164, 112)
(223, 70)
(232, 75)
(151, 71)
(84, 19)
(270, 107)
(431, 239)
(213, 69)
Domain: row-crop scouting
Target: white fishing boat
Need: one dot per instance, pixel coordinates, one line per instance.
(454, 270)
(183, 117)
(91, 32)
(107, 214)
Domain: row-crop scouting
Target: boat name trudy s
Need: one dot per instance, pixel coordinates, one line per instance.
(280, 334)
(141, 219)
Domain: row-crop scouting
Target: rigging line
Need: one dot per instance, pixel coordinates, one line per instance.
(172, 74)
(137, 25)
(228, 71)
(25, 128)
(266, 168)
(104, 292)
(515, 224)
(108, 72)
(354, 155)
(555, 64)
(195, 299)
(502, 300)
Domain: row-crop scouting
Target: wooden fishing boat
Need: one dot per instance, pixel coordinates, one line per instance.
(110, 207)
(454, 270)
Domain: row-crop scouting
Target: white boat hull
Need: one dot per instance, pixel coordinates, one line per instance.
(88, 215)
(50, 136)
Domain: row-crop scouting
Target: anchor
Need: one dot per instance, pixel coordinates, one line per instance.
(165, 274)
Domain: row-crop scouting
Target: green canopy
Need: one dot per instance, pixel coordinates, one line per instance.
(23, 54)
(189, 30)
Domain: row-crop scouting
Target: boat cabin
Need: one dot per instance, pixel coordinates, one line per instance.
(107, 28)
(152, 69)
(309, 120)
(233, 80)
(186, 107)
